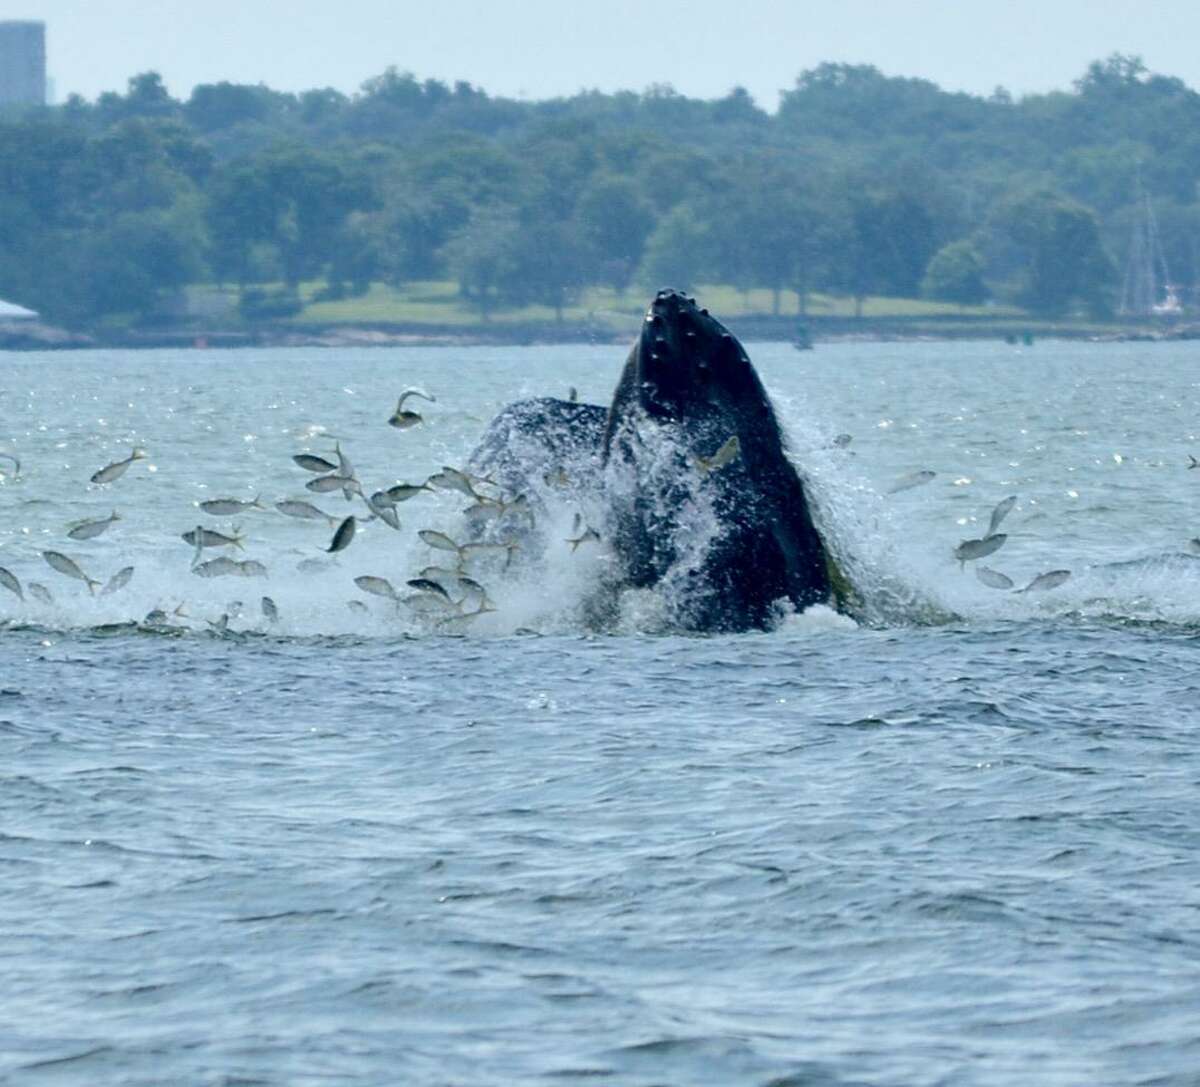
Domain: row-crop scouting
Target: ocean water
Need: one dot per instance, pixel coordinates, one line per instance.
(951, 840)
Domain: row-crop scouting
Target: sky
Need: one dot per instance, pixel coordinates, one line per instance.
(544, 48)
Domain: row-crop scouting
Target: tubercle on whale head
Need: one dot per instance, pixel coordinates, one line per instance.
(683, 353)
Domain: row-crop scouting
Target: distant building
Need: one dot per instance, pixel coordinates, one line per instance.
(22, 64)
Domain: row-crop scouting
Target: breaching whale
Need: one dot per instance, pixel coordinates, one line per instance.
(685, 470)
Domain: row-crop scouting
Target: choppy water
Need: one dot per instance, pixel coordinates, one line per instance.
(954, 843)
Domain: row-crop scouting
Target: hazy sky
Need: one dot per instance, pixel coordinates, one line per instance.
(542, 48)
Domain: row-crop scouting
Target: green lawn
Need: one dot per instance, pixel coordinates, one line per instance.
(438, 303)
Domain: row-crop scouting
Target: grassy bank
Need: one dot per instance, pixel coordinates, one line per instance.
(434, 311)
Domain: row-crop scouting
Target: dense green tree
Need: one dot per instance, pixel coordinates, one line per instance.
(955, 274)
(679, 251)
(482, 257)
(614, 221)
(854, 186)
(1050, 248)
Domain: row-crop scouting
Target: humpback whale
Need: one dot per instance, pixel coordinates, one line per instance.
(686, 473)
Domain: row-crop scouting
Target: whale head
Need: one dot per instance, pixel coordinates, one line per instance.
(685, 359)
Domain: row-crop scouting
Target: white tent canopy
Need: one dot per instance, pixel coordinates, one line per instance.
(10, 311)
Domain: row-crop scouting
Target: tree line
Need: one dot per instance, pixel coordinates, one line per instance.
(860, 184)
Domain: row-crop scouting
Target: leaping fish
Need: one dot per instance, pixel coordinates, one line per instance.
(89, 530)
(207, 537)
(118, 581)
(452, 479)
(402, 419)
(10, 582)
(69, 568)
(343, 536)
(402, 492)
(218, 567)
(439, 540)
(117, 469)
(425, 585)
(305, 511)
(969, 550)
(230, 507)
(993, 579)
(1002, 510)
(312, 463)
(1049, 580)
(376, 586)
(328, 484)
(723, 456)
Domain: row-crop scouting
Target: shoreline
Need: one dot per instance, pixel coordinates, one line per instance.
(35, 336)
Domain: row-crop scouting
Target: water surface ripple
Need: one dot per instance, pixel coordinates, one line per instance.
(903, 852)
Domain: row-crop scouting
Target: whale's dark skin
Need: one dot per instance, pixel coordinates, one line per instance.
(687, 388)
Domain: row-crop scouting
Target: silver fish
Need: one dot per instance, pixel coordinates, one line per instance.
(117, 469)
(451, 479)
(313, 566)
(402, 492)
(475, 548)
(483, 511)
(9, 581)
(328, 484)
(843, 440)
(89, 530)
(383, 510)
(219, 567)
(305, 511)
(343, 536)
(230, 507)
(723, 456)
(423, 603)
(251, 568)
(1002, 510)
(69, 568)
(913, 479)
(424, 585)
(269, 610)
(311, 463)
(376, 586)
(993, 579)
(118, 581)
(402, 419)
(39, 592)
(207, 537)
(438, 540)
(969, 550)
(1049, 580)
(356, 606)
